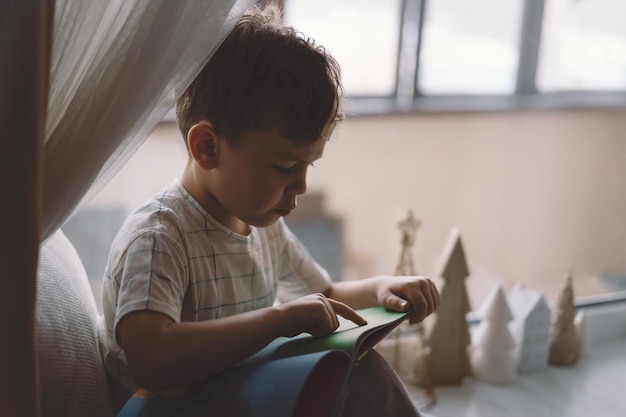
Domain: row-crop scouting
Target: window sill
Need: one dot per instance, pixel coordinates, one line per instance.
(591, 387)
(482, 103)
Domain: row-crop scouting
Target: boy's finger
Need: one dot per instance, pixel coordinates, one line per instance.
(430, 300)
(396, 303)
(436, 295)
(347, 312)
(420, 312)
(431, 294)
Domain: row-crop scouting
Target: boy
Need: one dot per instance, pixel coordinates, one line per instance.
(193, 275)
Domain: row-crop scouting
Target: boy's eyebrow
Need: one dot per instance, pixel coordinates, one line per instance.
(293, 157)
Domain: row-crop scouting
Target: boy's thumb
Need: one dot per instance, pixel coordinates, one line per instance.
(393, 302)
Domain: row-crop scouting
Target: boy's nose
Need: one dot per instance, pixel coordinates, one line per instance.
(298, 186)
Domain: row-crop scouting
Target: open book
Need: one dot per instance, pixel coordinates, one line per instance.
(298, 376)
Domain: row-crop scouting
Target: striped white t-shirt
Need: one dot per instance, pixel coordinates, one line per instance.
(171, 256)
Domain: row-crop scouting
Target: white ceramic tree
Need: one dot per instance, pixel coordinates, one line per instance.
(493, 347)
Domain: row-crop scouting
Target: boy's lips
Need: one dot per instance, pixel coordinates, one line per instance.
(283, 212)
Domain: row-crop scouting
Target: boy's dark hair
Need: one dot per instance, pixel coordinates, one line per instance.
(265, 77)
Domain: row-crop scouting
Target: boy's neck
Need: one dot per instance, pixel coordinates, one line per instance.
(213, 207)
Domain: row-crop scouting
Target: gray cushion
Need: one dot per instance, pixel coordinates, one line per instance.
(72, 377)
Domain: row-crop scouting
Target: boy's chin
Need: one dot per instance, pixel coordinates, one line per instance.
(265, 221)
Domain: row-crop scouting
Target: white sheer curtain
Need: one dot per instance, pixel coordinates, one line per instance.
(116, 68)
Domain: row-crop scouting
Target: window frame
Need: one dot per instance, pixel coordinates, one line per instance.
(409, 99)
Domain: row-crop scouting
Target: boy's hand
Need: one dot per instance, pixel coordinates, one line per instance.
(315, 314)
(400, 293)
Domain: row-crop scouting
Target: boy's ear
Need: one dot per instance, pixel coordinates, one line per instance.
(203, 144)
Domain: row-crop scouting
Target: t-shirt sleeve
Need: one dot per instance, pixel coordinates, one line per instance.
(303, 274)
(152, 276)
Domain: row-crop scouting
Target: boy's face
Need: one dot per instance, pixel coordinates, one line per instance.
(257, 181)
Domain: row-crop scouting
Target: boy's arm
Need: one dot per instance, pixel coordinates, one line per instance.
(398, 293)
(163, 354)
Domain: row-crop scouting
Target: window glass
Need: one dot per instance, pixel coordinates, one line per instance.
(362, 35)
(470, 47)
(583, 46)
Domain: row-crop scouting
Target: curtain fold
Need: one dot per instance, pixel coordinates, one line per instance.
(25, 42)
(117, 67)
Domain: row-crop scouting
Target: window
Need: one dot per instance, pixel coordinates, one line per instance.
(466, 51)
(408, 55)
(362, 35)
(584, 46)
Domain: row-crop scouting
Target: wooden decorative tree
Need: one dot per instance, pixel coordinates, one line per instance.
(449, 337)
(564, 343)
(408, 227)
(405, 266)
(493, 347)
(422, 369)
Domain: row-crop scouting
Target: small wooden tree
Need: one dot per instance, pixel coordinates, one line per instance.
(449, 337)
(405, 266)
(564, 343)
(408, 227)
(493, 347)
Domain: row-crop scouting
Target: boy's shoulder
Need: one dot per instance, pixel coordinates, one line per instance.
(168, 211)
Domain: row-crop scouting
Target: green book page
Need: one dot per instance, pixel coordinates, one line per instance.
(350, 338)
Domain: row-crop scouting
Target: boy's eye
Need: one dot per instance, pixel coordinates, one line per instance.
(283, 170)
(286, 170)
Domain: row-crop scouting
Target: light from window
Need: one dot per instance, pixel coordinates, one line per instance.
(470, 47)
(362, 35)
(583, 46)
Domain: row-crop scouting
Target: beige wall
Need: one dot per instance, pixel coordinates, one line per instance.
(534, 194)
